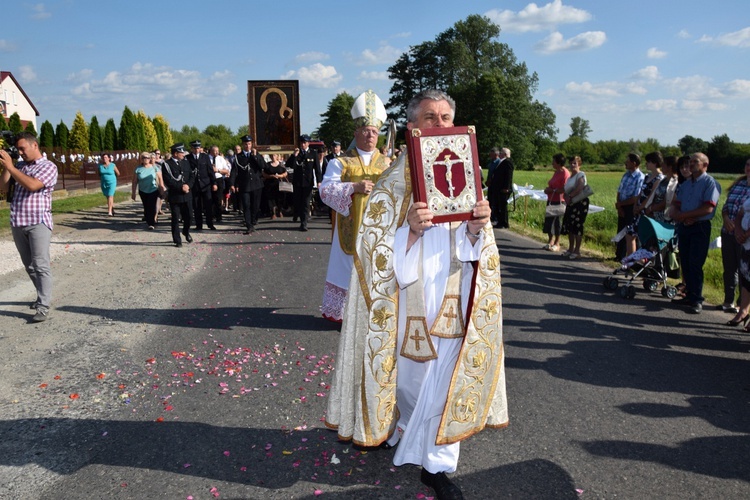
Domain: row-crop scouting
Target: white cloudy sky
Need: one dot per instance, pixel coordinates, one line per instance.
(634, 69)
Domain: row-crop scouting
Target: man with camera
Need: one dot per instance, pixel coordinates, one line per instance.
(32, 182)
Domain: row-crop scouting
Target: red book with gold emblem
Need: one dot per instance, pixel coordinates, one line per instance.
(445, 171)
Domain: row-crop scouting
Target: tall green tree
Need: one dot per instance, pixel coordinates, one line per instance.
(29, 128)
(47, 135)
(78, 139)
(579, 128)
(337, 121)
(128, 133)
(14, 123)
(163, 134)
(95, 135)
(109, 140)
(147, 140)
(3, 123)
(492, 89)
(689, 145)
(61, 135)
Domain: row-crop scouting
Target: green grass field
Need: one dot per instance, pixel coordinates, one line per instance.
(601, 227)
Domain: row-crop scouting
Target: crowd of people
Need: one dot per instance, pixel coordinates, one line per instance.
(677, 193)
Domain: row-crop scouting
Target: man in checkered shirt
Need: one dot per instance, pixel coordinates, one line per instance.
(31, 214)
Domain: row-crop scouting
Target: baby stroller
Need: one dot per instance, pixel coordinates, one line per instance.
(651, 262)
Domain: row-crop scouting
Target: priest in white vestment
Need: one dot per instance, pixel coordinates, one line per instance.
(345, 188)
(422, 390)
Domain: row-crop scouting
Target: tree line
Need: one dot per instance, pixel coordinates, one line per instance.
(724, 154)
(136, 131)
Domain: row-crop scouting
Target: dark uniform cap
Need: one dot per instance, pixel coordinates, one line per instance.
(178, 148)
(247, 138)
(336, 143)
(195, 144)
(304, 138)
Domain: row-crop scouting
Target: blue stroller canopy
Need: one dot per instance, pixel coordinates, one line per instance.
(649, 228)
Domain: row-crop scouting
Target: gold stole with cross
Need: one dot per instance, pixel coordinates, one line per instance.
(449, 323)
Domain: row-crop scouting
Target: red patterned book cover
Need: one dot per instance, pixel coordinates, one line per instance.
(445, 171)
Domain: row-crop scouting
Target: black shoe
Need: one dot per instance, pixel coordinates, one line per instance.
(294, 219)
(188, 238)
(695, 308)
(742, 321)
(199, 228)
(684, 301)
(178, 244)
(444, 487)
(212, 228)
(303, 228)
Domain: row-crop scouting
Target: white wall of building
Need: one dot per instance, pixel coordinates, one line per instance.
(15, 102)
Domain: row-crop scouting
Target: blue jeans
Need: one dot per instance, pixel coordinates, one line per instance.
(33, 243)
(693, 244)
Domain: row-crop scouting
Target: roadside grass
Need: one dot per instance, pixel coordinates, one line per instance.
(600, 227)
(67, 205)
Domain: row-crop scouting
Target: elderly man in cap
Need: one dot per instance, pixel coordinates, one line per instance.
(205, 185)
(345, 188)
(420, 360)
(247, 182)
(179, 179)
(306, 167)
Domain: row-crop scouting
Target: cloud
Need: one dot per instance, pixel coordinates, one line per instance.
(316, 75)
(556, 43)
(660, 105)
(308, 57)
(384, 54)
(649, 73)
(685, 34)
(739, 39)
(654, 53)
(78, 76)
(6, 46)
(587, 89)
(373, 75)
(155, 84)
(738, 88)
(535, 18)
(694, 87)
(693, 105)
(604, 90)
(40, 12)
(27, 74)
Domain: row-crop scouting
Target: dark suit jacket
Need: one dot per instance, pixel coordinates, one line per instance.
(176, 174)
(502, 177)
(203, 171)
(247, 172)
(305, 166)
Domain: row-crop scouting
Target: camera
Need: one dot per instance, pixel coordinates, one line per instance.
(10, 143)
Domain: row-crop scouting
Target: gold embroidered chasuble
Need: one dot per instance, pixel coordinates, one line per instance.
(354, 170)
(362, 403)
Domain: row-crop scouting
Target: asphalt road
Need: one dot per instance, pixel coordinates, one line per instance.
(214, 384)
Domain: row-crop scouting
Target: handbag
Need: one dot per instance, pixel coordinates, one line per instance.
(585, 193)
(555, 210)
(286, 187)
